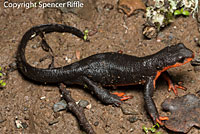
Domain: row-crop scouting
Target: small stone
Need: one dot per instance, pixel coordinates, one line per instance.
(25, 109)
(196, 39)
(36, 46)
(96, 123)
(53, 122)
(43, 97)
(132, 119)
(170, 37)
(108, 7)
(68, 59)
(35, 63)
(131, 130)
(24, 125)
(83, 103)
(150, 32)
(2, 118)
(62, 105)
(18, 123)
(12, 66)
(127, 110)
(89, 106)
(26, 98)
(158, 40)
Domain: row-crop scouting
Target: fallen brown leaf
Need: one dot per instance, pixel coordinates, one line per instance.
(129, 6)
(185, 113)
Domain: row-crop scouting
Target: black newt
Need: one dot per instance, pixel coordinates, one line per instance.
(107, 69)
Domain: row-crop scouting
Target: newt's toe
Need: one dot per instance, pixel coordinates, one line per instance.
(174, 88)
(122, 96)
(163, 118)
(160, 119)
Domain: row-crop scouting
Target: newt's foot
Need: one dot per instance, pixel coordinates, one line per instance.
(160, 119)
(122, 96)
(174, 88)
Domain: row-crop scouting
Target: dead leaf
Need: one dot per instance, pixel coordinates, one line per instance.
(129, 6)
(185, 113)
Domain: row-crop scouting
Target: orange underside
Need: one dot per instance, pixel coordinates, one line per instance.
(175, 65)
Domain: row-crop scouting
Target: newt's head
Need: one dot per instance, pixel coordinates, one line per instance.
(175, 56)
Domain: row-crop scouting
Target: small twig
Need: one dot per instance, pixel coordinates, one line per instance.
(76, 110)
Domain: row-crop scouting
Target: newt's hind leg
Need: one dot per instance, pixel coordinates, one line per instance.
(172, 86)
(102, 94)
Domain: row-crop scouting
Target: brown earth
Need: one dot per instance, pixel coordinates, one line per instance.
(22, 98)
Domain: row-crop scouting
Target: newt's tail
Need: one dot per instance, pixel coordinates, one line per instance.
(53, 75)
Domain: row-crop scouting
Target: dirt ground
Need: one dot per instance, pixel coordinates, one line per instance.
(22, 98)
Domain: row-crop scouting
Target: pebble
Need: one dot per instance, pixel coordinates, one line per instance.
(13, 66)
(35, 63)
(150, 32)
(2, 118)
(197, 41)
(43, 97)
(36, 46)
(158, 40)
(128, 110)
(96, 123)
(108, 7)
(83, 103)
(24, 125)
(61, 105)
(26, 98)
(170, 37)
(25, 109)
(132, 119)
(18, 123)
(53, 122)
(68, 59)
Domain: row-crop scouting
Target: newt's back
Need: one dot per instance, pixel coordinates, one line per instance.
(110, 68)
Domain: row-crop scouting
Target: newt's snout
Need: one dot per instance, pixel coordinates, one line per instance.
(187, 53)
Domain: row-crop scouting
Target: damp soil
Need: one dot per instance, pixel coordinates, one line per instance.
(112, 31)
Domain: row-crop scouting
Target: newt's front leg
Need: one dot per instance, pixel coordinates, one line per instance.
(149, 103)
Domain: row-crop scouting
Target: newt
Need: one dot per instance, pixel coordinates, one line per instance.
(108, 69)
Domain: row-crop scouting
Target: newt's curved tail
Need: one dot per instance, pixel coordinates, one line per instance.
(39, 74)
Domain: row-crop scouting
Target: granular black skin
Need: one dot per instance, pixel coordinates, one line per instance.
(104, 69)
